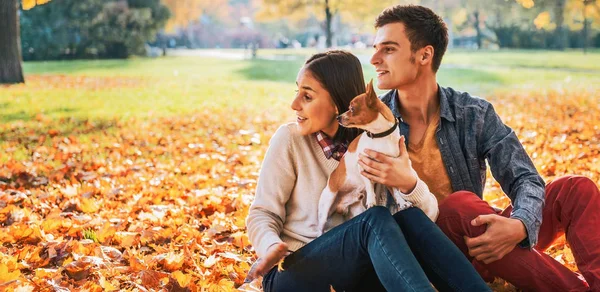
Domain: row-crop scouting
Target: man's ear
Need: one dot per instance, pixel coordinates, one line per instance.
(426, 55)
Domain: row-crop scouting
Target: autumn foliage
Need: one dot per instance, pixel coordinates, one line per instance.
(147, 204)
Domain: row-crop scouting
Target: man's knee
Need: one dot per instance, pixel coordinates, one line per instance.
(582, 187)
(456, 213)
(463, 204)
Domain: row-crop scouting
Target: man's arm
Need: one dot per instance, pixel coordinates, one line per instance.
(513, 169)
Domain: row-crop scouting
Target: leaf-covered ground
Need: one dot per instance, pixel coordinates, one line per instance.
(158, 203)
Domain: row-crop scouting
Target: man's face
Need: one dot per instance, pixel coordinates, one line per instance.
(393, 59)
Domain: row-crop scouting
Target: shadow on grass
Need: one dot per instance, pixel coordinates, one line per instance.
(32, 131)
(69, 67)
(272, 70)
(7, 117)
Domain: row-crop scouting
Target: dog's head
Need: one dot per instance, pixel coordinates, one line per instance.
(364, 110)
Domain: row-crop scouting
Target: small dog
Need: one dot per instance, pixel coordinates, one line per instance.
(345, 188)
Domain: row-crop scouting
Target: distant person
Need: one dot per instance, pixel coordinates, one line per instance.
(451, 136)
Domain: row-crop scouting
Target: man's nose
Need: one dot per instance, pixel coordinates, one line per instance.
(375, 59)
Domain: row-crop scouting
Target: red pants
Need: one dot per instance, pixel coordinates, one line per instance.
(572, 207)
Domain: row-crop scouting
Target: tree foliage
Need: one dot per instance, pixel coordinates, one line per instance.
(69, 29)
(185, 12)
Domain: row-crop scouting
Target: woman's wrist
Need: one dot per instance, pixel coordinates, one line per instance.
(409, 185)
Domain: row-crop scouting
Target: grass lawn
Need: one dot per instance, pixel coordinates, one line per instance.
(178, 85)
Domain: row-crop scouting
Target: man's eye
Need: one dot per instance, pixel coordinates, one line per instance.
(388, 50)
(308, 98)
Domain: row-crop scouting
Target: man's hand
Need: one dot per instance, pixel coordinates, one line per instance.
(501, 237)
(395, 172)
(275, 253)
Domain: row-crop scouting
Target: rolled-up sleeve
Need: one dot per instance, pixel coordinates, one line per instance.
(513, 169)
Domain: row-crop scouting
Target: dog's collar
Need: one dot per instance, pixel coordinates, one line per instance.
(383, 134)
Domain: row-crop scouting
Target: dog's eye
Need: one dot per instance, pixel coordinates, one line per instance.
(351, 109)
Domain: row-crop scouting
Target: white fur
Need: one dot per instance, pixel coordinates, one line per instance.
(348, 200)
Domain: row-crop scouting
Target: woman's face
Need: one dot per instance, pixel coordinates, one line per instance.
(314, 107)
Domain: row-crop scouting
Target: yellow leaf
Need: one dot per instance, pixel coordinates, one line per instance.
(173, 261)
(28, 4)
(89, 205)
(6, 276)
(183, 279)
(106, 285)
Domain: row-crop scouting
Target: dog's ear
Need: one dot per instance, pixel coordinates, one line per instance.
(370, 86)
(371, 96)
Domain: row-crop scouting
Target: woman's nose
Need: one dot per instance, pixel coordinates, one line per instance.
(296, 105)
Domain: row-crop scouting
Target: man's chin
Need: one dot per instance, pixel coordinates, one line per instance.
(383, 85)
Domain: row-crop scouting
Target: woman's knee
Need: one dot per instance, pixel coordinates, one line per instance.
(377, 213)
(410, 215)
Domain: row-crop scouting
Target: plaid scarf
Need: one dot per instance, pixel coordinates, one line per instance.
(330, 148)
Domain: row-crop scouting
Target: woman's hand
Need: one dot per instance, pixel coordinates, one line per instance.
(395, 172)
(275, 253)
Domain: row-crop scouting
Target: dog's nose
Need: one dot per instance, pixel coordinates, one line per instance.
(339, 118)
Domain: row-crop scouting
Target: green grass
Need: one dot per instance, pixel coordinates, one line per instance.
(568, 60)
(145, 88)
(156, 87)
(565, 60)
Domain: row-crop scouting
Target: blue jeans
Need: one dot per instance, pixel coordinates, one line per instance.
(371, 253)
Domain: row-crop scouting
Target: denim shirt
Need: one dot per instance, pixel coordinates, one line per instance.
(470, 132)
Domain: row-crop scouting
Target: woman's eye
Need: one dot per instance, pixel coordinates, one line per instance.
(308, 98)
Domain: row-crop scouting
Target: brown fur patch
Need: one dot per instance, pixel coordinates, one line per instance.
(385, 111)
(338, 176)
(353, 145)
(362, 114)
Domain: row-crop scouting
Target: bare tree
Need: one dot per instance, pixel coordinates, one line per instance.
(10, 43)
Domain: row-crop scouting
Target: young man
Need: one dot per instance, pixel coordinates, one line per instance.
(450, 135)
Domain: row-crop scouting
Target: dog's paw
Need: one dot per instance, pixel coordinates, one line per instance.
(371, 204)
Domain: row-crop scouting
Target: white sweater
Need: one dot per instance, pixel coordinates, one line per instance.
(293, 175)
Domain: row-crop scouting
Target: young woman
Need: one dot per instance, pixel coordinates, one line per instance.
(372, 251)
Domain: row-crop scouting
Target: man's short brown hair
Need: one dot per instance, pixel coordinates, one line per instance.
(423, 27)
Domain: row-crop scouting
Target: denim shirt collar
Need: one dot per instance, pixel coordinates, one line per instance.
(392, 99)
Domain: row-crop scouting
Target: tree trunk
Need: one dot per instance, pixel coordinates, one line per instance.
(586, 27)
(561, 32)
(586, 24)
(10, 43)
(478, 29)
(328, 19)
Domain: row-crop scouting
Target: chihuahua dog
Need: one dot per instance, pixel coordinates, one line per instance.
(345, 188)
